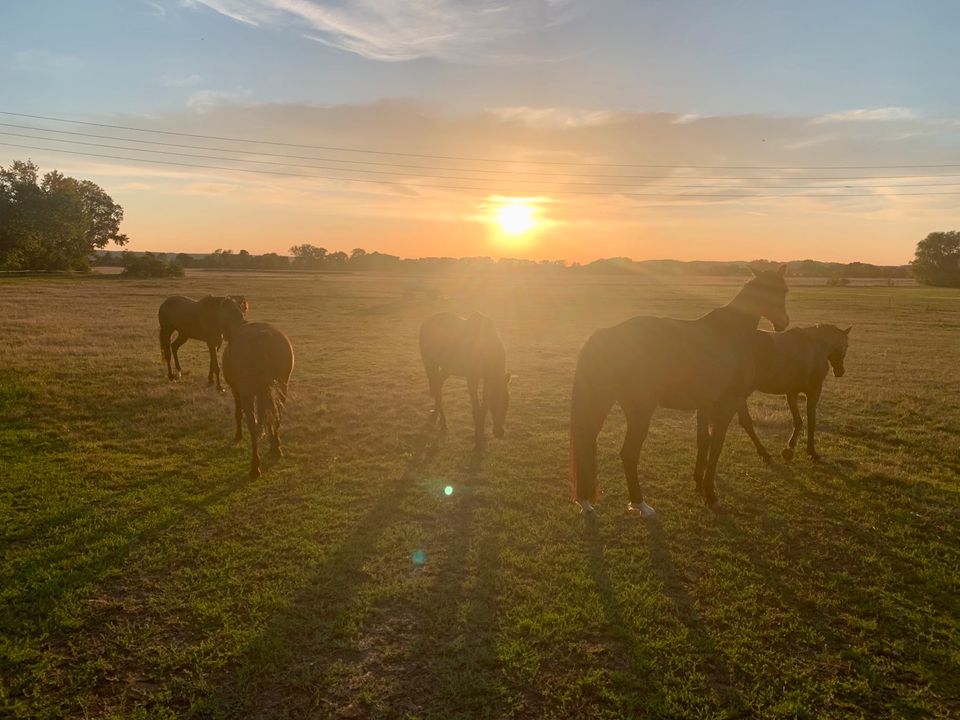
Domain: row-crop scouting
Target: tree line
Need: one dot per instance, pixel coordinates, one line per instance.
(55, 222)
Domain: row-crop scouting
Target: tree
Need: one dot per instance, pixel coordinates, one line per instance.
(308, 256)
(937, 260)
(337, 260)
(54, 222)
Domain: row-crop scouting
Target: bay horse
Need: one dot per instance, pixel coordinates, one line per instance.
(257, 363)
(194, 320)
(793, 363)
(646, 362)
(469, 348)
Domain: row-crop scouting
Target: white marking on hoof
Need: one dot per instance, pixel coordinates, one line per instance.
(646, 512)
(586, 508)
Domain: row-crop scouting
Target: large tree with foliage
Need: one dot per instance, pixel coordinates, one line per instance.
(54, 222)
(937, 260)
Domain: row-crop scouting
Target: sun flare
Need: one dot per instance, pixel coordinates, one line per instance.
(515, 218)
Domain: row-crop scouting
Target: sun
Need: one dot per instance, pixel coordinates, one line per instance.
(515, 218)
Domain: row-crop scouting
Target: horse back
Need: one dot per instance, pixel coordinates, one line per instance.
(791, 361)
(257, 354)
(681, 364)
(195, 319)
(464, 347)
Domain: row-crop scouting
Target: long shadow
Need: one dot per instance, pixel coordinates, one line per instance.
(880, 693)
(299, 645)
(720, 679)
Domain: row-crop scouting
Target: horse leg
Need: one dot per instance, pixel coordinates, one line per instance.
(813, 397)
(479, 411)
(638, 424)
(238, 416)
(214, 367)
(787, 452)
(175, 347)
(249, 409)
(722, 414)
(165, 334)
(703, 448)
(746, 422)
(435, 379)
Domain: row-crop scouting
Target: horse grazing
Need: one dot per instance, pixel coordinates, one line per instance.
(792, 363)
(704, 365)
(257, 363)
(469, 348)
(194, 320)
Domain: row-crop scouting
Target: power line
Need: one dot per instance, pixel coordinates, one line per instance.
(454, 177)
(480, 159)
(520, 192)
(433, 167)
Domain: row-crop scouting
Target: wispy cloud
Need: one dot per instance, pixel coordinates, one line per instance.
(868, 115)
(181, 81)
(552, 117)
(396, 30)
(204, 101)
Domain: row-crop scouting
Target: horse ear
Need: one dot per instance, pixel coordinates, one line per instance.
(782, 270)
(847, 331)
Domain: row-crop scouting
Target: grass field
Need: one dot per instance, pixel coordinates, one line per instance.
(143, 575)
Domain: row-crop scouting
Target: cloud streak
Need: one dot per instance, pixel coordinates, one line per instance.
(398, 30)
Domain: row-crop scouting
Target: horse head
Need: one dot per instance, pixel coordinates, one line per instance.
(241, 302)
(231, 316)
(766, 294)
(836, 342)
(499, 402)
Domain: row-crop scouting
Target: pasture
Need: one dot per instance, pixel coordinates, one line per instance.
(144, 575)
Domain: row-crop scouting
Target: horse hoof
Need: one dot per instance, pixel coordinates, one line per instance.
(787, 454)
(642, 509)
(586, 509)
(766, 459)
(814, 457)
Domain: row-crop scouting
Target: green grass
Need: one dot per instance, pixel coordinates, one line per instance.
(143, 575)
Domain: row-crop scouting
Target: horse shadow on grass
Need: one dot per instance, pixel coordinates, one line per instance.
(287, 668)
(718, 677)
(879, 662)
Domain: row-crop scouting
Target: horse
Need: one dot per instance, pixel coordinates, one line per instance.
(194, 320)
(257, 363)
(791, 363)
(643, 363)
(469, 348)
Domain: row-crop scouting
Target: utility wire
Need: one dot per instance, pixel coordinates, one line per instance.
(463, 170)
(520, 192)
(479, 159)
(404, 175)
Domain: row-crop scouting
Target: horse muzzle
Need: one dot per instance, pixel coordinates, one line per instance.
(781, 324)
(838, 371)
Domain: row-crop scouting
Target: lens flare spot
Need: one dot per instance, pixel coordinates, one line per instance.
(419, 557)
(448, 490)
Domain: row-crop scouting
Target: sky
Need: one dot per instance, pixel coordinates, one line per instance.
(690, 130)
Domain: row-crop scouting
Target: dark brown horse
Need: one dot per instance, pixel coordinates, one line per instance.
(792, 363)
(646, 362)
(193, 320)
(257, 363)
(469, 348)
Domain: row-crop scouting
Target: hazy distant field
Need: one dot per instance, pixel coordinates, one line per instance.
(143, 575)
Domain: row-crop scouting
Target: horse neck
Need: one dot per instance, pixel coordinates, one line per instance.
(740, 314)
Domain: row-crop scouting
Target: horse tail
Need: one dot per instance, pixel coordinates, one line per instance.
(271, 393)
(270, 400)
(590, 404)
